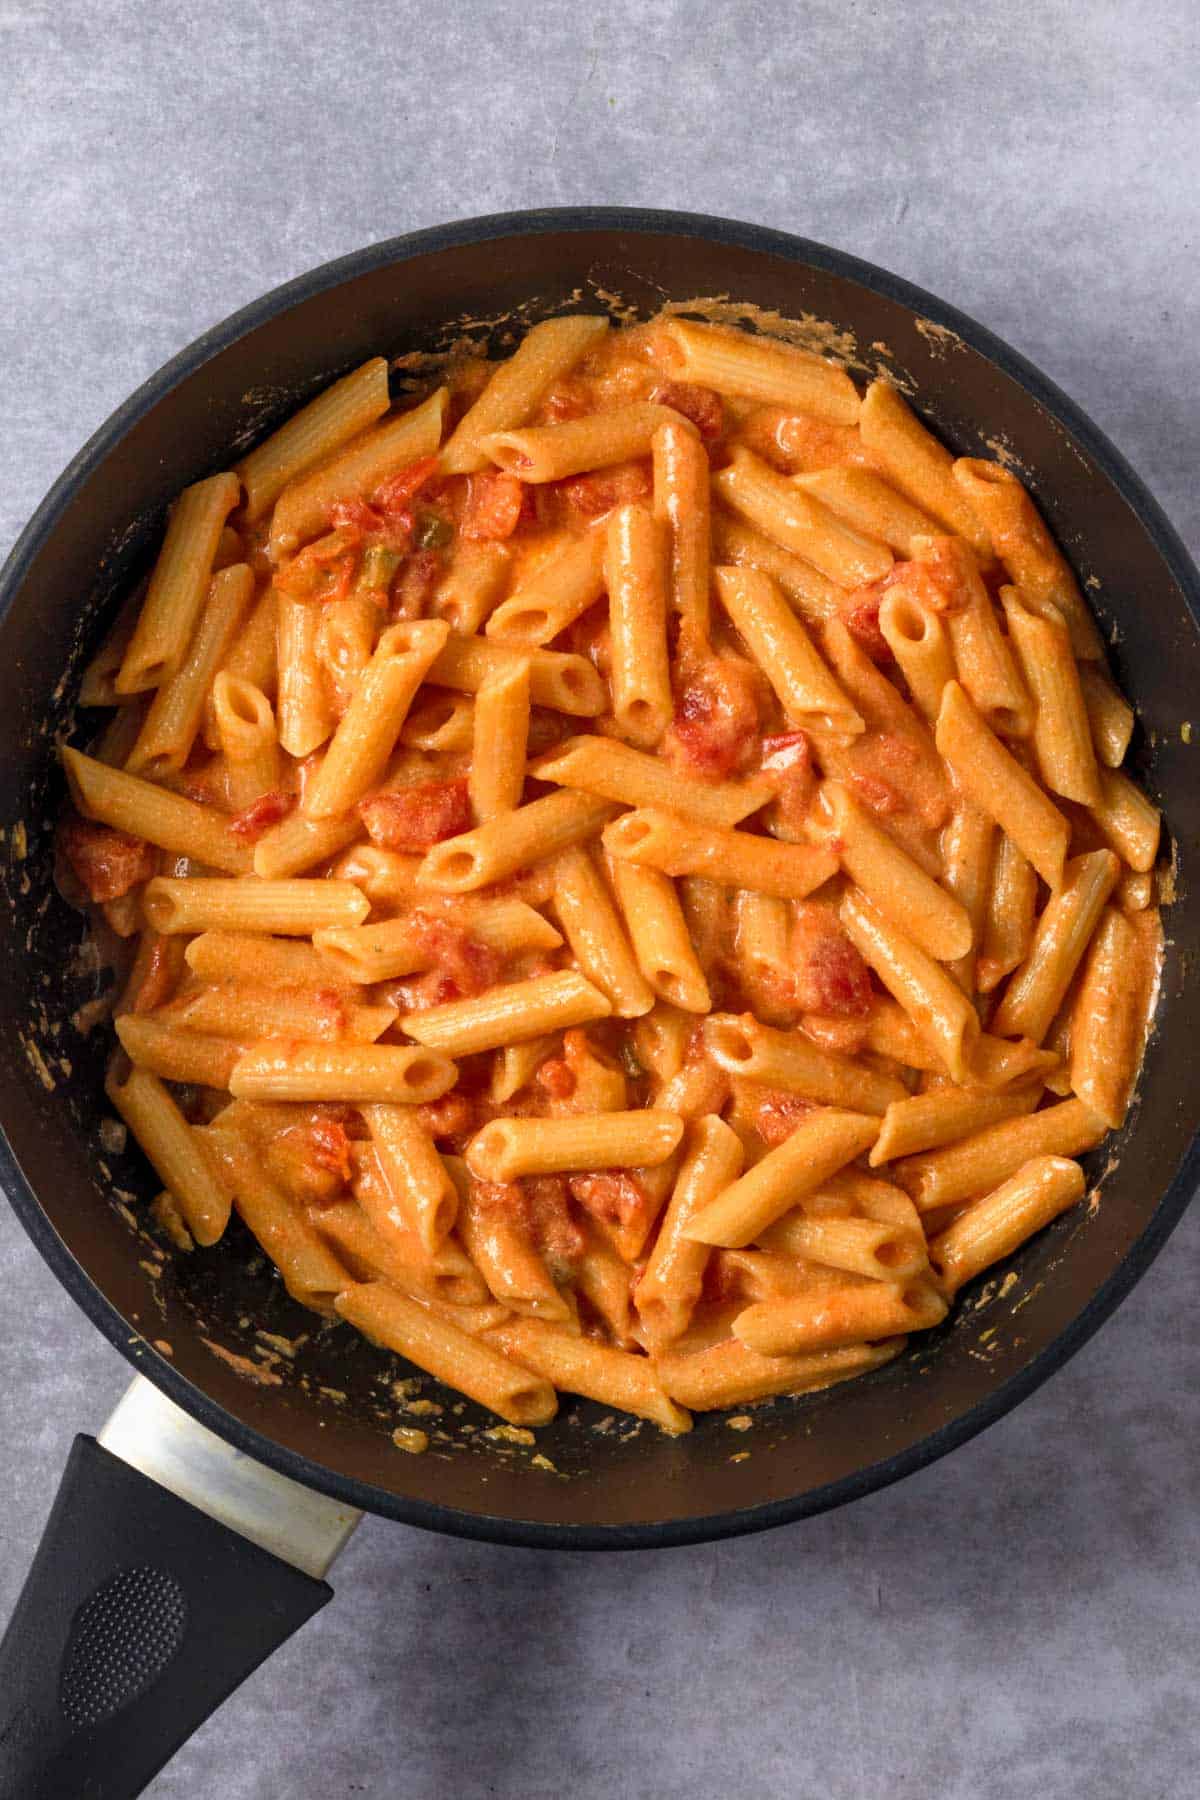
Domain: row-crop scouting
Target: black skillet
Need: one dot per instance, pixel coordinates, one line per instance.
(95, 1692)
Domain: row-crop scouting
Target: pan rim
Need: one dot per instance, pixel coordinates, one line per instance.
(657, 1534)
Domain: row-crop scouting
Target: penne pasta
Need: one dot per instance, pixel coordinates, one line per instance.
(635, 576)
(367, 732)
(503, 845)
(800, 523)
(659, 935)
(676, 846)
(517, 386)
(838, 1316)
(582, 1366)
(763, 369)
(567, 683)
(144, 810)
(978, 1163)
(553, 595)
(552, 452)
(897, 886)
(681, 502)
(597, 937)
(945, 1115)
(672, 1280)
(917, 464)
(178, 585)
(1062, 734)
(935, 1004)
(1000, 1223)
(524, 1009)
(1127, 820)
(1034, 563)
(309, 436)
(1038, 987)
(1110, 1015)
(996, 783)
(507, 1149)
(821, 1144)
(783, 650)
(616, 771)
(303, 508)
(180, 1156)
(280, 1069)
(866, 502)
(787, 1060)
(287, 908)
(738, 544)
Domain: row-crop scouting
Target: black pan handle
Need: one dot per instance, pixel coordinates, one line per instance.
(139, 1617)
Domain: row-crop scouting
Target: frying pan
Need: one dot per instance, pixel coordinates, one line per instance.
(193, 1538)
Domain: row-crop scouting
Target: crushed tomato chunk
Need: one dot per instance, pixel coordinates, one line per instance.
(107, 863)
(416, 817)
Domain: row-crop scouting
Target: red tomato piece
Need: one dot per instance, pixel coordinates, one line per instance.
(358, 515)
(777, 1114)
(557, 1078)
(699, 404)
(413, 588)
(450, 1117)
(613, 1195)
(860, 615)
(716, 716)
(412, 818)
(107, 863)
(392, 496)
(788, 757)
(494, 505)
(831, 976)
(331, 1148)
(558, 1236)
(158, 980)
(591, 496)
(253, 820)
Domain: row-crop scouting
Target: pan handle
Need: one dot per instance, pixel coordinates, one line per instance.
(141, 1614)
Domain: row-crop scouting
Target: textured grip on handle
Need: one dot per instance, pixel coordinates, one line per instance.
(139, 1617)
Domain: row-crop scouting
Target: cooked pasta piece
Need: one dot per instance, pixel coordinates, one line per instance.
(304, 506)
(178, 585)
(912, 458)
(800, 523)
(315, 432)
(617, 771)
(597, 937)
(1111, 1010)
(506, 1149)
(516, 387)
(998, 1224)
(662, 840)
(977, 1163)
(568, 580)
(821, 1144)
(761, 368)
(476, 1369)
(1034, 563)
(582, 1366)
(180, 1156)
(783, 650)
(994, 780)
(288, 908)
(505, 1015)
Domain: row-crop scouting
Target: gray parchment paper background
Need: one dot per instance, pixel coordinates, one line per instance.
(1023, 1618)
